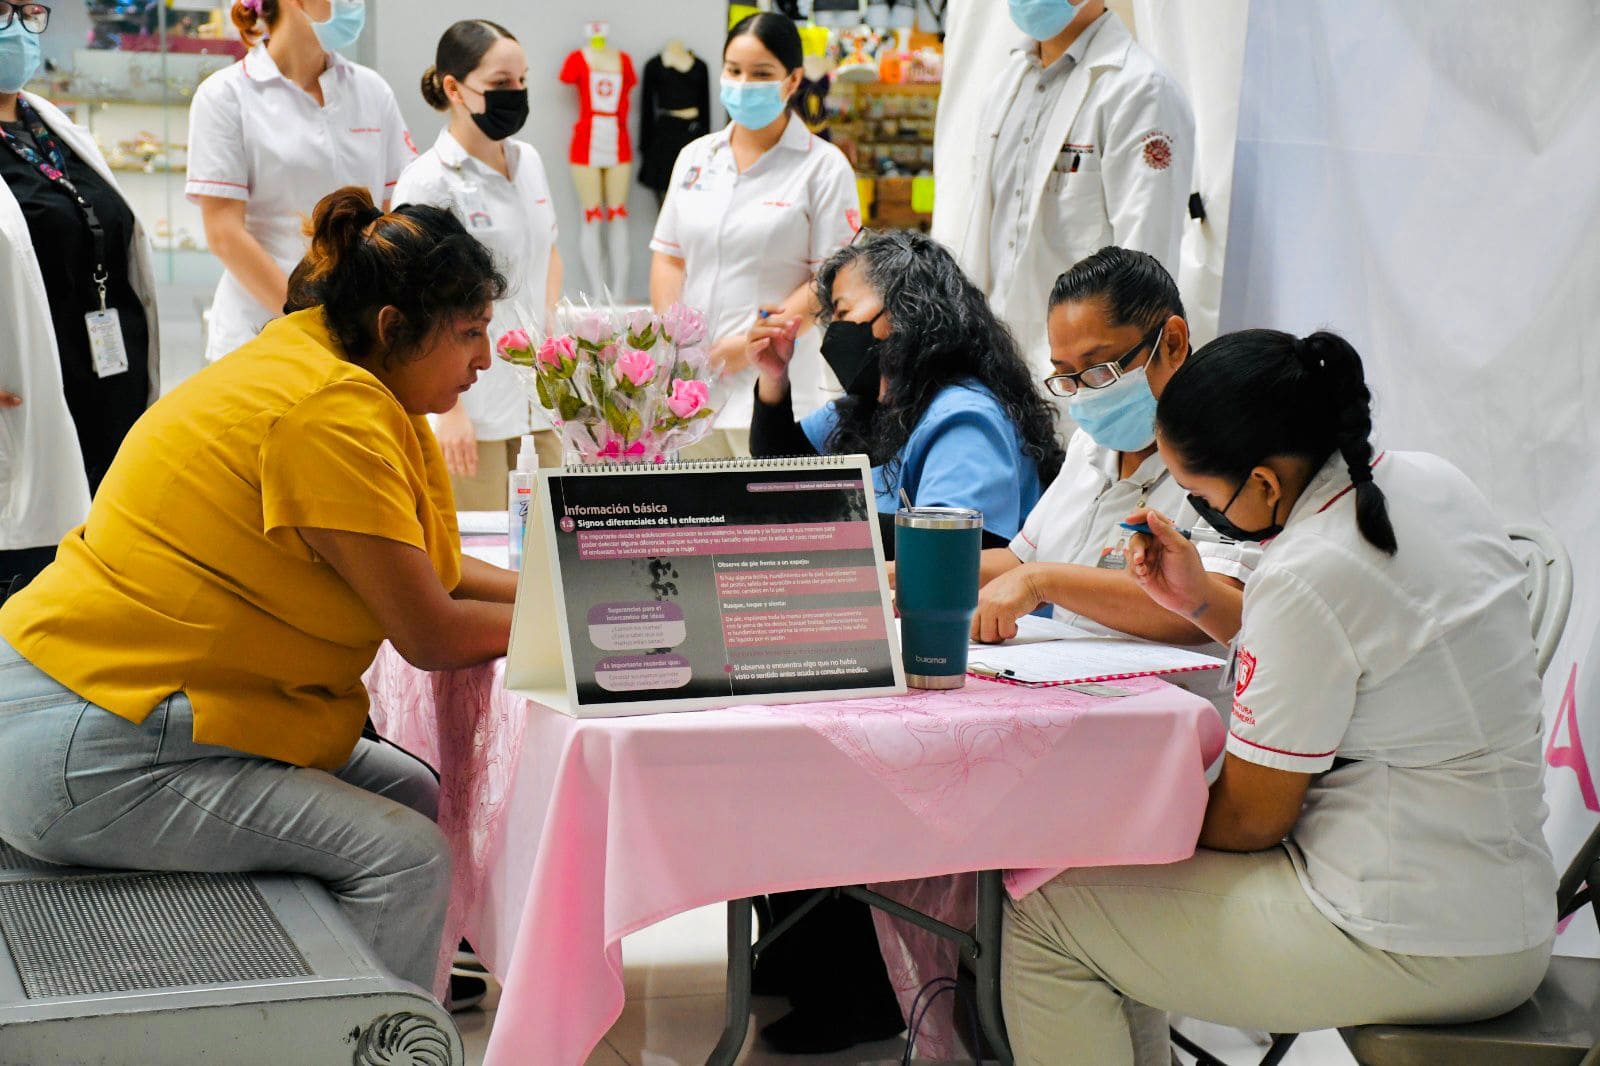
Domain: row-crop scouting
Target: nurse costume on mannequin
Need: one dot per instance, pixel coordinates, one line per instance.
(272, 135)
(601, 153)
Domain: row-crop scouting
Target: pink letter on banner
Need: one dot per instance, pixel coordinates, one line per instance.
(1571, 754)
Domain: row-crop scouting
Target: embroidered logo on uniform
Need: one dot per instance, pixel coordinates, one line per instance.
(776, 203)
(852, 217)
(1247, 673)
(691, 178)
(410, 143)
(366, 129)
(1243, 713)
(1157, 150)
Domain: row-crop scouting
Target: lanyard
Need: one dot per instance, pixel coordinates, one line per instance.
(54, 169)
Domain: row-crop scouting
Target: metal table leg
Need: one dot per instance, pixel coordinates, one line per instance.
(741, 962)
(986, 966)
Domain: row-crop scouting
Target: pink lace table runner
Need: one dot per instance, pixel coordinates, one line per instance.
(569, 834)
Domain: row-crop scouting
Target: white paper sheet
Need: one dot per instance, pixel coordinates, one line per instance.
(482, 523)
(1045, 651)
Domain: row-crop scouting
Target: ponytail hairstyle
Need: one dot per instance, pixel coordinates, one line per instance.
(460, 50)
(417, 259)
(253, 18)
(1259, 393)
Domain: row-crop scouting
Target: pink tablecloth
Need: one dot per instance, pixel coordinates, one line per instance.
(569, 834)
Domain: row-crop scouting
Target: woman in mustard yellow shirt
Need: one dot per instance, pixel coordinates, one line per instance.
(181, 689)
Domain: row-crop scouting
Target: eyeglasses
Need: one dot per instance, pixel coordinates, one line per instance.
(1102, 374)
(35, 17)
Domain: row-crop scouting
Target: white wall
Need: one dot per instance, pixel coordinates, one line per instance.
(406, 34)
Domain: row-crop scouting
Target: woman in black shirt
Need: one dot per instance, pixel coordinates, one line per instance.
(53, 268)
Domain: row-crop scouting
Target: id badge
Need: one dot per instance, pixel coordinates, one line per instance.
(106, 345)
(1232, 671)
(1114, 556)
(474, 209)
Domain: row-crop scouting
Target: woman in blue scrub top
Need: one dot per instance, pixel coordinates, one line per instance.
(936, 392)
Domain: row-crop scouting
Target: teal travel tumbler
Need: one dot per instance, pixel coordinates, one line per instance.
(936, 591)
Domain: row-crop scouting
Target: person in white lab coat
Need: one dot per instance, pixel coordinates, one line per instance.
(1373, 849)
(497, 187)
(753, 210)
(66, 400)
(1085, 142)
(272, 135)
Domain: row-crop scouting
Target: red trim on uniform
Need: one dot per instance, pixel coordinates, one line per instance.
(213, 181)
(366, 129)
(673, 244)
(1281, 751)
(1346, 489)
(391, 184)
(1023, 534)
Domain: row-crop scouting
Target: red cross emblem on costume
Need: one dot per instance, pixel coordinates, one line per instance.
(605, 88)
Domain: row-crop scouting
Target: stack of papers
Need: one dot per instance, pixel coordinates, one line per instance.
(1047, 652)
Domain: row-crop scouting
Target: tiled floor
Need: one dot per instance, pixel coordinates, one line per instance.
(674, 980)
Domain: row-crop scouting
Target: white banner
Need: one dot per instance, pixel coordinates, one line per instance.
(1422, 177)
(1202, 46)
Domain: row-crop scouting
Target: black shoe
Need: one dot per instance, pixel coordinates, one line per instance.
(466, 992)
(817, 1032)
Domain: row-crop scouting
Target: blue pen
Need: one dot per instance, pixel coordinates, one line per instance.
(1188, 534)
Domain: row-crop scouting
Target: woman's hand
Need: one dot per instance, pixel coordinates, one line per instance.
(459, 441)
(770, 344)
(9, 399)
(729, 355)
(1004, 600)
(1167, 566)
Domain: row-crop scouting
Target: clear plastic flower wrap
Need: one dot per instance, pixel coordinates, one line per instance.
(621, 387)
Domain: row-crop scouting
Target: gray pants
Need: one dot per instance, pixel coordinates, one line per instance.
(81, 786)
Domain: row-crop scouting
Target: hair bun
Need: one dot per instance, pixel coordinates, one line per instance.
(433, 90)
(336, 228)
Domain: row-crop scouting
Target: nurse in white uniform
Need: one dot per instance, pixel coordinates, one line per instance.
(1088, 142)
(752, 211)
(1373, 850)
(498, 189)
(272, 135)
(1117, 335)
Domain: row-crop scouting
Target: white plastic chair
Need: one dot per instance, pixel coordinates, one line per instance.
(1549, 587)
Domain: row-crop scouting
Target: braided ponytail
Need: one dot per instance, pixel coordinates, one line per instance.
(1339, 366)
(1251, 395)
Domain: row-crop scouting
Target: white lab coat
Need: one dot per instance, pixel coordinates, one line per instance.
(1131, 190)
(44, 491)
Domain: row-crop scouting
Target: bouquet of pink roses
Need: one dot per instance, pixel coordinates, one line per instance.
(620, 387)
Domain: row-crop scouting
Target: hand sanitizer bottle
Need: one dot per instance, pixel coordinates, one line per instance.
(519, 497)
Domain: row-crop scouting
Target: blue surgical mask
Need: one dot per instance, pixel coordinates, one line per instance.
(1043, 19)
(344, 26)
(19, 56)
(753, 104)
(1121, 416)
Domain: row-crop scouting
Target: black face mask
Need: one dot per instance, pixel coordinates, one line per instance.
(504, 112)
(1218, 519)
(851, 352)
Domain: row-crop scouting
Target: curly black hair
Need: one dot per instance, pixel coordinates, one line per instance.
(942, 331)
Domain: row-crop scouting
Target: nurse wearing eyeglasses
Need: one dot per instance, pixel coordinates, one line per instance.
(1117, 336)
